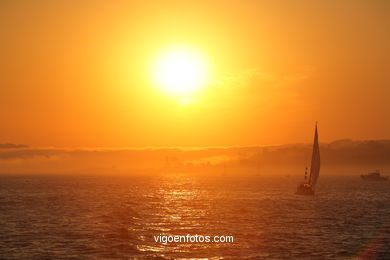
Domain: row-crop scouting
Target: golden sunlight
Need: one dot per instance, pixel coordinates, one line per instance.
(180, 72)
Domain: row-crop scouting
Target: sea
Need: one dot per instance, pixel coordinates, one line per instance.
(119, 217)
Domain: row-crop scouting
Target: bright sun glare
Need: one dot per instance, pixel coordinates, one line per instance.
(180, 72)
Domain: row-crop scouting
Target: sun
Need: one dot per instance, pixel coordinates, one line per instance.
(180, 72)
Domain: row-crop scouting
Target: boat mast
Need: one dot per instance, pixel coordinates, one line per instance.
(306, 174)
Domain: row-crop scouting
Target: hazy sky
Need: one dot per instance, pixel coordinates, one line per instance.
(77, 73)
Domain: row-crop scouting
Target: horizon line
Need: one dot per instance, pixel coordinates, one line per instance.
(12, 146)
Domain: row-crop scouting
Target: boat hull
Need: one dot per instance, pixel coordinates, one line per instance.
(304, 190)
(370, 178)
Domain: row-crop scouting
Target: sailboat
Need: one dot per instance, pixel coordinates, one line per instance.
(307, 186)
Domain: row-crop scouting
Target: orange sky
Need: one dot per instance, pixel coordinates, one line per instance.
(78, 74)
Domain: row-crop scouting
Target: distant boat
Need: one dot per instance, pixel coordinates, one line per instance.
(307, 186)
(374, 176)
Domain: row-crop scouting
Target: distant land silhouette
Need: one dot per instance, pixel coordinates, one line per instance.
(338, 157)
(8, 145)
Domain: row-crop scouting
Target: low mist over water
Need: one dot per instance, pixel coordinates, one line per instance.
(338, 157)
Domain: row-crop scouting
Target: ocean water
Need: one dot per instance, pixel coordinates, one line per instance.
(117, 217)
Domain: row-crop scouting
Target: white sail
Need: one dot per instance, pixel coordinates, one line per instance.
(315, 161)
